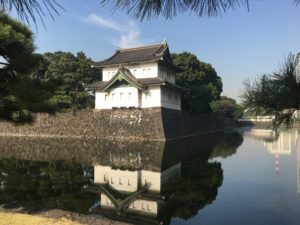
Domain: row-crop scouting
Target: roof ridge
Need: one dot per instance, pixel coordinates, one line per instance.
(140, 47)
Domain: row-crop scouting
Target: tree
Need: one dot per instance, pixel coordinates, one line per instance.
(17, 61)
(64, 75)
(170, 8)
(54, 184)
(227, 107)
(200, 79)
(227, 145)
(277, 94)
(16, 49)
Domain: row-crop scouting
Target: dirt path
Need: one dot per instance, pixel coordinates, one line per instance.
(52, 217)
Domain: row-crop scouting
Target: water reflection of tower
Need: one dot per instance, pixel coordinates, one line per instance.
(148, 184)
(282, 146)
(132, 181)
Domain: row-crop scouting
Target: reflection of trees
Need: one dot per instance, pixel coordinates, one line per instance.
(199, 187)
(227, 145)
(200, 178)
(44, 184)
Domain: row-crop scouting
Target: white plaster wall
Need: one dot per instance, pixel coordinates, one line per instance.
(124, 180)
(108, 73)
(151, 98)
(152, 179)
(100, 102)
(105, 201)
(139, 71)
(170, 99)
(157, 180)
(101, 174)
(118, 97)
(144, 206)
(139, 206)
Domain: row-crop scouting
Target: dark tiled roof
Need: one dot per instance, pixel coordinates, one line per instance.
(136, 55)
(151, 81)
(145, 82)
(95, 86)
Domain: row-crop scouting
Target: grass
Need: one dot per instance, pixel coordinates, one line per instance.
(9, 218)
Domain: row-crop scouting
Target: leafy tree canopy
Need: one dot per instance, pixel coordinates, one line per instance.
(64, 75)
(17, 61)
(16, 49)
(227, 107)
(276, 94)
(200, 79)
(30, 82)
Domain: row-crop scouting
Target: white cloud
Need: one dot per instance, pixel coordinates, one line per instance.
(103, 22)
(129, 34)
(131, 38)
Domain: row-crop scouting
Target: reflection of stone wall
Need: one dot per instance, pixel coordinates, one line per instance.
(85, 151)
(147, 124)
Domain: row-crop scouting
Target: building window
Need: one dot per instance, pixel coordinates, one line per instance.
(134, 72)
(149, 71)
(120, 181)
(144, 72)
(121, 96)
(111, 180)
(129, 184)
(147, 95)
(106, 97)
(129, 95)
(112, 96)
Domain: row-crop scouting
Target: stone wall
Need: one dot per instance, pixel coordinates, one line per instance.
(134, 124)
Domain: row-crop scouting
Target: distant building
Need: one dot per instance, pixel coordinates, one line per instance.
(142, 77)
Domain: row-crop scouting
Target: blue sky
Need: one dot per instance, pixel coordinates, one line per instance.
(240, 44)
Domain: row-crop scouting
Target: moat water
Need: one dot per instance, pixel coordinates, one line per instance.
(237, 177)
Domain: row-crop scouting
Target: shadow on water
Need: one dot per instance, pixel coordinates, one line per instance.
(139, 182)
